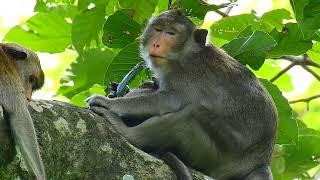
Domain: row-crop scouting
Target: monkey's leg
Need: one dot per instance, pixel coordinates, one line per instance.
(262, 173)
(154, 133)
(24, 134)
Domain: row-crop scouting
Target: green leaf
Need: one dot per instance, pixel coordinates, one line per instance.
(79, 77)
(112, 7)
(44, 32)
(142, 9)
(87, 25)
(84, 5)
(307, 13)
(197, 8)
(230, 27)
(42, 6)
(274, 19)
(65, 10)
(126, 59)
(79, 99)
(250, 50)
(120, 30)
(290, 42)
(269, 69)
(287, 132)
(246, 32)
(303, 156)
(314, 53)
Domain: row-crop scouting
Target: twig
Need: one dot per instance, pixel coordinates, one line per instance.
(282, 72)
(221, 13)
(312, 63)
(301, 60)
(311, 72)
(228, 10)
(306, 100)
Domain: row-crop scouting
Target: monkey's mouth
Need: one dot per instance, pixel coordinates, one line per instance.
(156, 56)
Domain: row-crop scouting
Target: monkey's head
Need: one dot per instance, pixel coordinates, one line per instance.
(168, 37)
(27, 65)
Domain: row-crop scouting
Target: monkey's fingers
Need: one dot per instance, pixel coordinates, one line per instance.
(113, 118)
(113, 94)
(97, 100)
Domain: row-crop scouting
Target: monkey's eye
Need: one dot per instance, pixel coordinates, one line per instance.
(157, 29)
(171, 33)
(33, 81)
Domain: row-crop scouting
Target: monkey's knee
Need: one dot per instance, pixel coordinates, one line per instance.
(262, 173)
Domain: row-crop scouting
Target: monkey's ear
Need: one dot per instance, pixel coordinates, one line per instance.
(16, 52)
(200, 36)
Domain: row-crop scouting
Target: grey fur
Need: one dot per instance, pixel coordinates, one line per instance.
(209, 110)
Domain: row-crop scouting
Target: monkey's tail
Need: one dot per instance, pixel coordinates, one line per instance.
(181, 170)
(22, 127)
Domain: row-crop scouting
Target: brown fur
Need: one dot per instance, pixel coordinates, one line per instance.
(17, 65)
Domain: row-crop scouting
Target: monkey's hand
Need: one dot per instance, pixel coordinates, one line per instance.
(153, 84)
(113, 118)
(98, 100)
(113, 88)
(145, 104)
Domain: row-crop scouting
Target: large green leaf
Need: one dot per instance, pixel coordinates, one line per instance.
(250, 50)
(88, 23)
(307, 13)
(120, 29)
(79, 99)
(64, 10)
(42, 5)
(198, 9)
(141, 9)
(229, 27)
(126, 59)
(305, 155)
(274, 19)
(89, 69)
(287, 132)
(44, 32)
(290, 42)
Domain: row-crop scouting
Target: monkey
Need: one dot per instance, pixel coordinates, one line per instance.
(209, 110)
(20, 75)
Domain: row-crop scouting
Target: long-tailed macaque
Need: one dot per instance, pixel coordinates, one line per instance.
(20, 74)
(209, 110)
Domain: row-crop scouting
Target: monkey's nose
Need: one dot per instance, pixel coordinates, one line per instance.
(156, 45)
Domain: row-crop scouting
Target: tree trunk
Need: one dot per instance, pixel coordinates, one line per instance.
(78, 144)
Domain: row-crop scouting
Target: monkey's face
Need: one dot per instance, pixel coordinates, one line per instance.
(28, 68)
(165, 37)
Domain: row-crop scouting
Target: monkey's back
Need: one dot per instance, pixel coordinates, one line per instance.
(241, 114)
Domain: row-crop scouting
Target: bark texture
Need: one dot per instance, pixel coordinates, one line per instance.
(78, 144)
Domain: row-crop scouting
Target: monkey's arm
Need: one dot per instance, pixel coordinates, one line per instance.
(148, 104)
(24, 134)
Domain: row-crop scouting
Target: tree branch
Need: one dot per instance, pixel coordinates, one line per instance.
(311, 72)
(303, 61)
(282, 72)
(306, 100)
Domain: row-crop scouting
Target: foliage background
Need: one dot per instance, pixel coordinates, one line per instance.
(94, 42)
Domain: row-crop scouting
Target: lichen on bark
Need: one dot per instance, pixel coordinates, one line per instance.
(78, 144)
